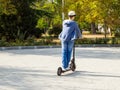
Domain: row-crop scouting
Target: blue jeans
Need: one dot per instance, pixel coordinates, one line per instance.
(67, 47)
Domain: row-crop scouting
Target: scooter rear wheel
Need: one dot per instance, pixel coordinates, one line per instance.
(73, 66)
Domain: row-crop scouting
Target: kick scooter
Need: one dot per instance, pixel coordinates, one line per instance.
(72, 65)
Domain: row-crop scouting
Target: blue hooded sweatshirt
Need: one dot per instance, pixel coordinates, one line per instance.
(70, 31)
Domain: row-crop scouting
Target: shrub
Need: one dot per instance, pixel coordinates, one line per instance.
(117, 33)
(3, 42)
(115, 40)
(55, 30)
(93, 41)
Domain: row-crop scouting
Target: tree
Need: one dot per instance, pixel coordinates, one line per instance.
(7, 16)
(86, 10)
(50, 22)
(95, 11)
(18, 19)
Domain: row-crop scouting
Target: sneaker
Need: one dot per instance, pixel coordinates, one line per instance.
(64, 69)
(67, 68)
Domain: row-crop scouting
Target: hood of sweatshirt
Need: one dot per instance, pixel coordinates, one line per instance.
(68, 22)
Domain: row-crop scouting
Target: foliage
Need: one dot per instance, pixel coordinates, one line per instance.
(31, 41)
(23, 19)
(55, 31)
(117, 32)
(97, 11)
(94, 41)
(19, 17)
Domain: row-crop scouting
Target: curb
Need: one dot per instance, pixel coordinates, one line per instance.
(99, 45)
(57, 46)
(26, 47)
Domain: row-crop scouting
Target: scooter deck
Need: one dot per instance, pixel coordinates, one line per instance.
(60, 71)
(66, 70)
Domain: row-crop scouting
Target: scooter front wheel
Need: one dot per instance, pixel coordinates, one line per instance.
(59, 71)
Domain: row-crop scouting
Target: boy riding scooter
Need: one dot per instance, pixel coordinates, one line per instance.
(70, 32)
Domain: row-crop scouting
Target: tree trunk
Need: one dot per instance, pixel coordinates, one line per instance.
(93, 28)
(105, 29)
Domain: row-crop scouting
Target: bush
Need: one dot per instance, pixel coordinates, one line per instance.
(55, 30)
(3, 42)
(38, 33)
(31, 41)
(117, 33)
(93, 41)
(115, 40)
(102, 40)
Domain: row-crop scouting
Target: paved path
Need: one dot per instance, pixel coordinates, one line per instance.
(35, 69)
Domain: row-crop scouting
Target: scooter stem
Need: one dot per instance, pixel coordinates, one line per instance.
(74, 51)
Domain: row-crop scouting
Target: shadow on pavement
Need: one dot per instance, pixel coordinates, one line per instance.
(91, 74)
(23, 79)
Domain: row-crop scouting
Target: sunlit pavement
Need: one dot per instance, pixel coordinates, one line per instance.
(35, 69)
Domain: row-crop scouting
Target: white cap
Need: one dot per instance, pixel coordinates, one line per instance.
(71, 13)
